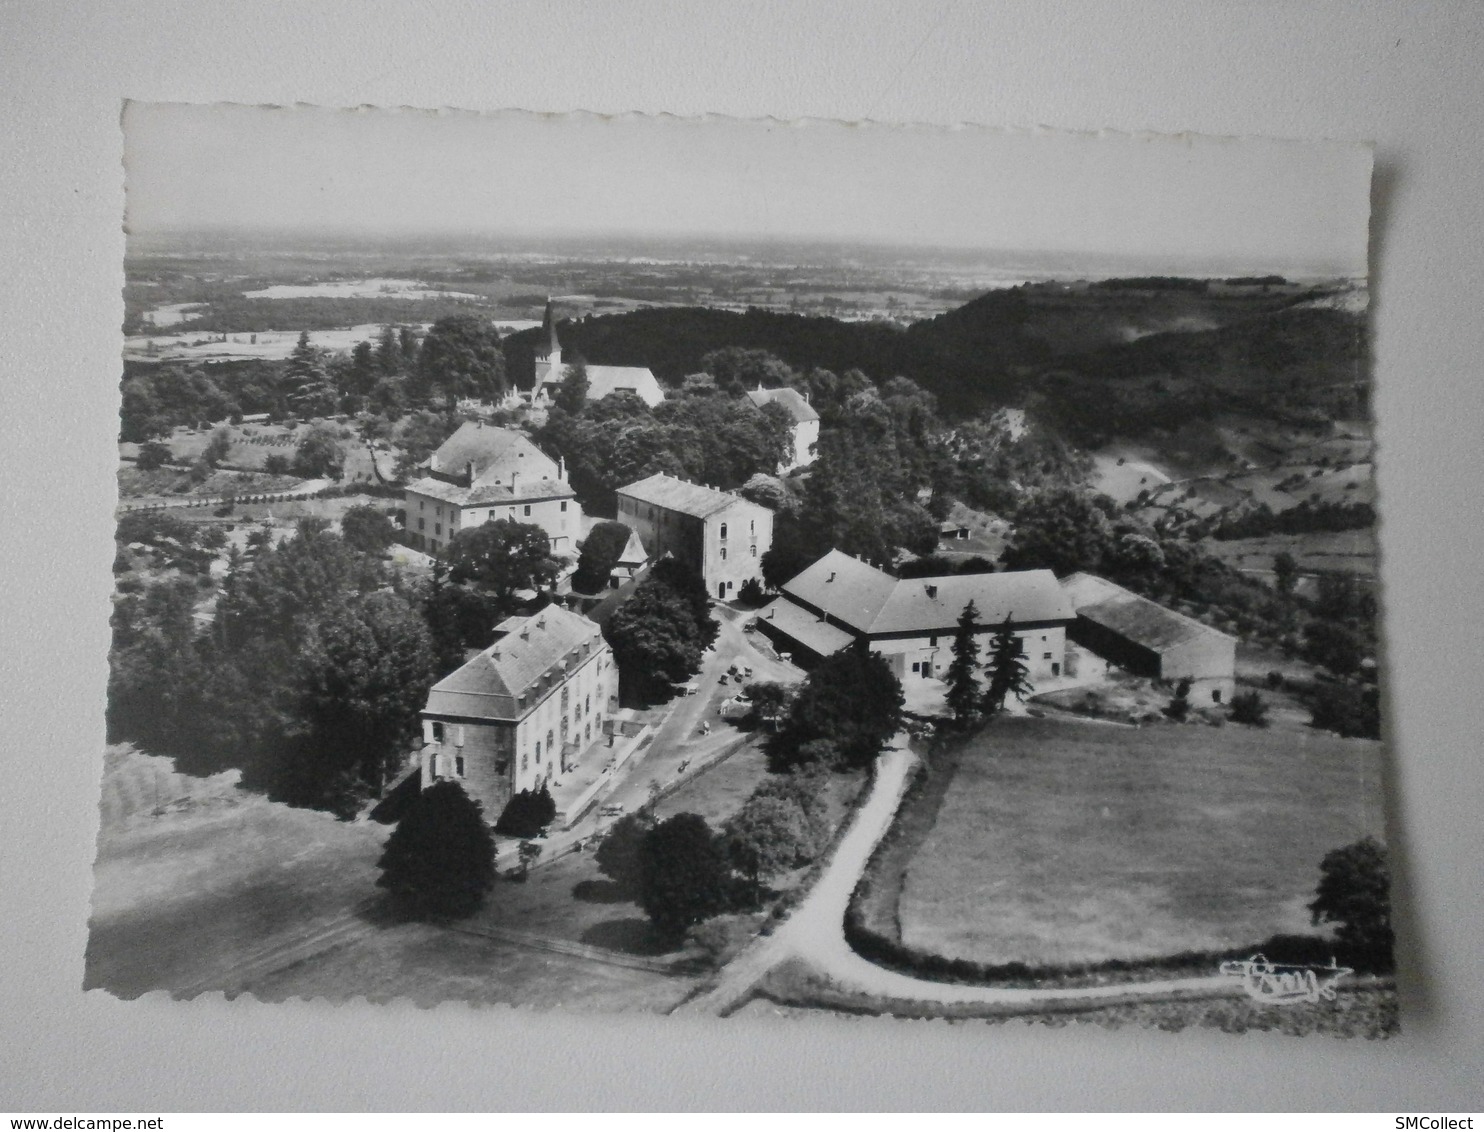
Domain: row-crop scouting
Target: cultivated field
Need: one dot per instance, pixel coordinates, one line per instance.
(1068, 842)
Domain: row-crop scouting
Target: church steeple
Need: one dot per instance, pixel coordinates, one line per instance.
(548, 350)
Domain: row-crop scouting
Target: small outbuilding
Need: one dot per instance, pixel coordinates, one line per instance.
(1147, 639)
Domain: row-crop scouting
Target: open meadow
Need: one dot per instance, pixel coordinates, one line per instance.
(1062, 842)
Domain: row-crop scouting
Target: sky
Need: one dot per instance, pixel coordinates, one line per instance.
(1281, 205)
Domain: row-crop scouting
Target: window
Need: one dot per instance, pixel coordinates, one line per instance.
(422, 524)
(437, 528)
(723, 532)
(1216, 695)
(752, 526)
(754, 550)
(528, 509)
(437, 732)
(564, 505)
(502, 766)
(932, 642)
(525, 761)
(538, 752)
(419, 504)
(550, 740)
(916, 667)
(458, 766)
(723, 554)
(1045, 656)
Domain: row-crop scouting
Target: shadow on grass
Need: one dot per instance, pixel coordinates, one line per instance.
(633, 936)
(600, 892)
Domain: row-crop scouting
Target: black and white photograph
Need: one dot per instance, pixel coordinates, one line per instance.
(737, 568)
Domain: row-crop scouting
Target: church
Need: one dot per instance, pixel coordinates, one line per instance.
(601, 380)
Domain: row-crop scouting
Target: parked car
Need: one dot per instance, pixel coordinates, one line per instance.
(612, 810)
(723, 679)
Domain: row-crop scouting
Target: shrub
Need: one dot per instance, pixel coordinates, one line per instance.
(752, 593)
(152, 455)
(277, 465)
(1248, 708)
(1347, 709)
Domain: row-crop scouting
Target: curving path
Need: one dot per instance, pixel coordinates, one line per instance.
(815, 932)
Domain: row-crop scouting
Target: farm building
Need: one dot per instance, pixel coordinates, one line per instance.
(805, 423)
(523, 711)
(482, 473)
(1147, 639)
(601, 380)
(912, 621)
(719, 535)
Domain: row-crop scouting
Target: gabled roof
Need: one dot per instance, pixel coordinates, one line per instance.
(602, 381)
(873, 603)
(1133, 617)
(688, 498)
(633, 553)
(493, 494)
(797, 623)
(531, 655)
(790, 399)
(494, 452)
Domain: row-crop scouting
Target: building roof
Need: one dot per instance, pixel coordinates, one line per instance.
(688, 498)
(532, 654)
(874, 603)
(494, 453)
(791, 399)
(633, 553)
(797, 623)
(602, 381)
(492, 494)
(1133, 617)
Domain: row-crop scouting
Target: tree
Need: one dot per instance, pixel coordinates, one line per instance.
(367, 666)
(502, 557)
(751, 593)
(152, 455)
(461, 356)
(1006, 668)
(318, 455)
(654, 638)
(1354, 894)
(600, 553)
(684, 875)
(277, 464)
(1248, 708)
(1062, 530)
(962, 676)
(1349, 710)
(768, 836)
(618, 857)
(367, 529)
(440, 860)
(217, 448)
(691, 588)
(527, 813)
(851, 701)
(310, 390)
(420, 435)
(529, 852)
(571, 394)
(1285, 572)
(1334, 646)
(769, 702)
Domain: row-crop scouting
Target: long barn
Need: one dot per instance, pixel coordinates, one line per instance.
(1145, 638)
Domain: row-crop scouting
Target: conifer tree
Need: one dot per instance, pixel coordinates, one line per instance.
(1008, 673)
(963, 685)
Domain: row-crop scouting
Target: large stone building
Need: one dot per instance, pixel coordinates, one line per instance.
(1145, 638)
(805, 423)
(482, 473)
(601, 380)
(912, 621)
(721, 536)
(524, 711)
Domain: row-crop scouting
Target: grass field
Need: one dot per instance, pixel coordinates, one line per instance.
(1067, 842)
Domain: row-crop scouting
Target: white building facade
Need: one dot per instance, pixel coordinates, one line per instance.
(719, 535)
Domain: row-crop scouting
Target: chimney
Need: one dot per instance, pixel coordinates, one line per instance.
(831, 578)
(514, 477)
(561, 467)
(469, 472)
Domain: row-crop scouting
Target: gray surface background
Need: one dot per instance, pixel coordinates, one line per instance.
(1406, 76)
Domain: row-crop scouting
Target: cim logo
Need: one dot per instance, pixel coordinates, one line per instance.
(1285, 983)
